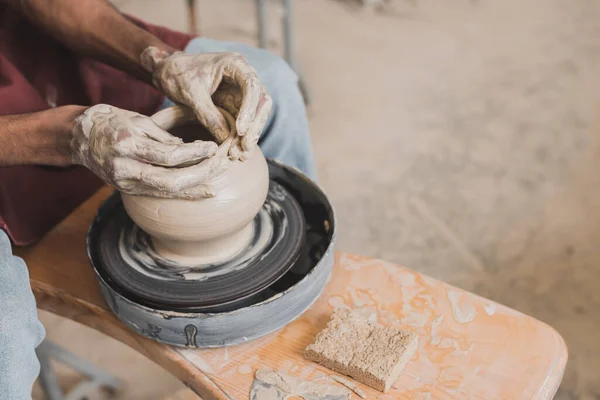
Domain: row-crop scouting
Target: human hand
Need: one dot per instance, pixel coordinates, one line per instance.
(130, 152)
(205, 81)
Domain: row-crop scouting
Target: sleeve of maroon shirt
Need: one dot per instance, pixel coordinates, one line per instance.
(37, 73)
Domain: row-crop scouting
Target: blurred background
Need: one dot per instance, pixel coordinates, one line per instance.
(459, 138)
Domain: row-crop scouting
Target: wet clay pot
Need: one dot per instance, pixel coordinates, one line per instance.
(195, 233)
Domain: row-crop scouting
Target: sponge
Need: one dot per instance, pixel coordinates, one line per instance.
(362, 349)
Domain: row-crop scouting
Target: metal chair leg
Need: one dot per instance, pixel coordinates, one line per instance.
(47, 378)
(288, 34)
(192, 17)
(289, 48)
(261, 16)
(96, 376)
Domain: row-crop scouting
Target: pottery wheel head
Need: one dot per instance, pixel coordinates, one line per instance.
(130, 260)
(184, 310)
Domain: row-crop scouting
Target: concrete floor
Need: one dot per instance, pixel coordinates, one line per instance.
(458, 138)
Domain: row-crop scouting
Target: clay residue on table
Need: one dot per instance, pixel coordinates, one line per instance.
(463, 312)
(277, 385)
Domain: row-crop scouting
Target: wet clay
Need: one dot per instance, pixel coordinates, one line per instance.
(276, 385)
(212, 229)
(130, 152)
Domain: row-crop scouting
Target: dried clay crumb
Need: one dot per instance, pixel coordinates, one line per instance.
(278, 385)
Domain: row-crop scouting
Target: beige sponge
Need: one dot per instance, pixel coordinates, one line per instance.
(362, 349)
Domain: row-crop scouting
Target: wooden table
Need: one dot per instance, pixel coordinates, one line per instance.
(469, 347)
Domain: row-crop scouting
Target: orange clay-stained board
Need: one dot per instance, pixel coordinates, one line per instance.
(469, 347)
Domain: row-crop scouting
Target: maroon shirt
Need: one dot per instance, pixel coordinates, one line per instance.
(36, 73)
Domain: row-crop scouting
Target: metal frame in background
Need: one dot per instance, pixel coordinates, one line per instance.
(96, 377)
(289, 50)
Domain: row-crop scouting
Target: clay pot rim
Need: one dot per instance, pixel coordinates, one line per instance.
(177, 115)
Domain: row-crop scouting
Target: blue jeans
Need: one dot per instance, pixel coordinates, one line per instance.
(20, 330)
(285, 138)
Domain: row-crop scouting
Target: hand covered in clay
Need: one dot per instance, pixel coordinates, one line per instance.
(130, 152)
(204, 81)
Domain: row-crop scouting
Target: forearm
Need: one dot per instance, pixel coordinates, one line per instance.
(96, 29)
(42, 138)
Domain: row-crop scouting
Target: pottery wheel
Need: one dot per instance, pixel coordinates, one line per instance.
(295, 207)
(130, 262)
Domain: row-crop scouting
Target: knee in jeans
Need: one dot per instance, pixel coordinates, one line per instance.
(274, 72)
(5, 247)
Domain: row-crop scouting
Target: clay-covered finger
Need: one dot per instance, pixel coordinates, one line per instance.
(136, 188)
(155, 132)
(202, 173)
(245, 155)
(130, 175)
(250, 103)
(260, 121)
(248, 143)
(247, 79)
(168, 155)
(235, 148)
(209, 115)
(172, 180)
(235, 151)
(198, 192)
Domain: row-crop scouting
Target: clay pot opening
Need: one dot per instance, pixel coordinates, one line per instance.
(182, 122)
(190, 131)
